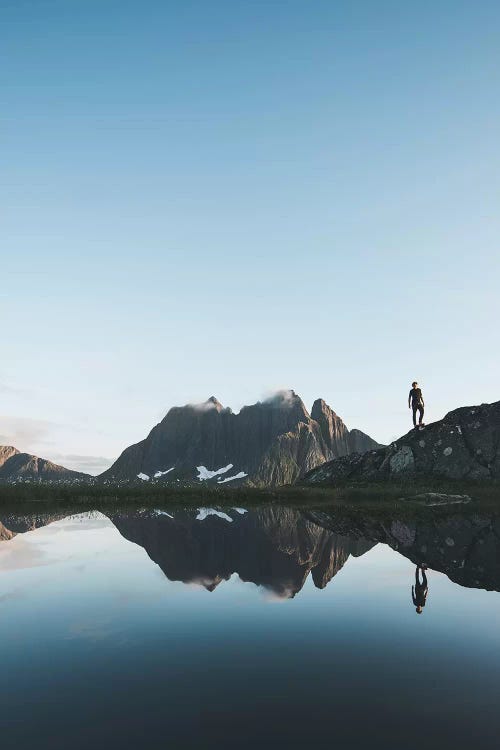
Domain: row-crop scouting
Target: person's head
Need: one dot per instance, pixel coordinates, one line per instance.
(414, 384)
(419, 610)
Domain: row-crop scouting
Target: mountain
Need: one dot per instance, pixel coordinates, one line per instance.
(269, 443)
(14, 464)
(463, 445)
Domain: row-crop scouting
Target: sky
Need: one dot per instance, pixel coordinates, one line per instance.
(231, 197)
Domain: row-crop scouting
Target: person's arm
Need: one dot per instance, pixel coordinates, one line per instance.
(409, 399)
(422, 398)
(413, 596)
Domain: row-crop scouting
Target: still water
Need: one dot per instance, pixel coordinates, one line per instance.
(267, 628)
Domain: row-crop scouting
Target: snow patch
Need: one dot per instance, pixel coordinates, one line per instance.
(204, 473)
(159, 473)
(205, 512)
(162, 513)
(144, 477)
(239, 475)
(241, 511)
(448, 451)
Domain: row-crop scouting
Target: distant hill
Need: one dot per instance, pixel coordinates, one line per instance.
(14, 464)
(269, 443)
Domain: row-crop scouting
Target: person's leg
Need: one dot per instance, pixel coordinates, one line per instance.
(421, 413)
(414, 409)
(417, 579)
(424, 579)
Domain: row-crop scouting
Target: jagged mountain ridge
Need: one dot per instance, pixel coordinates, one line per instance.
(14, 464)
(270, 443)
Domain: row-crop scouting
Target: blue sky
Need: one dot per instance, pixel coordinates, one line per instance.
(233, 197)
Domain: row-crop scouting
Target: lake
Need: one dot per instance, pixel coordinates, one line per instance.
(266, 627)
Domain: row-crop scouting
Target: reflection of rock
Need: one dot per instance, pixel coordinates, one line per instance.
(6, 534)
(273, 547)
(467, 548)
(13, 523)
(463, 445)
(437, 498)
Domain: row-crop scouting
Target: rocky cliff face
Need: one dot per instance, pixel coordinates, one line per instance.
(14, 464)
(463, 445)
(269, 443)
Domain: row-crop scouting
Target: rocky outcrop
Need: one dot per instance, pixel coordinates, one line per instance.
(14, 464)
(463, 445)
(273, 442)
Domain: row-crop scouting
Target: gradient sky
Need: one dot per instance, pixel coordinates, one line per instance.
(233, 197)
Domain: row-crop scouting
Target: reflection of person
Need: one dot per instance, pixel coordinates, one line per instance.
(420, 590)
(416, 403)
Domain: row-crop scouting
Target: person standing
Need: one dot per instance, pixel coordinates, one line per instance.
(416, 403)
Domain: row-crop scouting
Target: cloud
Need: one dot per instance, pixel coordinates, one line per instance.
(281, 396)
(22, 432)
(87, 464)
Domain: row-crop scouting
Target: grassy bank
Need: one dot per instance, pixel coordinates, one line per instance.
(365, 494)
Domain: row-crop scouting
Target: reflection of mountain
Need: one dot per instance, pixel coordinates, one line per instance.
(272, 547)
(465, 548)
(18, 523)
(279, 547)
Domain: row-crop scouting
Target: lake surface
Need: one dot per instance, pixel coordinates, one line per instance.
(267, 628)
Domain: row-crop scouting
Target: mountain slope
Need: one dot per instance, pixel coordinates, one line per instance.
(14, 464)
(268, 443)
(463, 445)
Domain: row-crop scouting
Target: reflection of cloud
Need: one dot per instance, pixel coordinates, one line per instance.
(94, 630)
(19, 555)
(10, 595)
(281, 594)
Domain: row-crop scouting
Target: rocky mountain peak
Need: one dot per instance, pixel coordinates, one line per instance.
(271, 442)
(321, 407)
(213, 401)
(6, 452)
